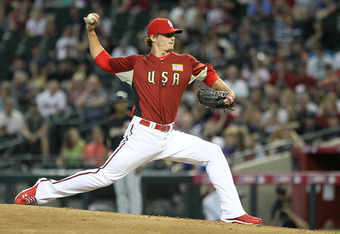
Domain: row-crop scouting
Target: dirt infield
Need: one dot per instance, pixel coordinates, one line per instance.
(42, 219)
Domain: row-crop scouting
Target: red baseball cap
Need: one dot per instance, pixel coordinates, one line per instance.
(163, 26)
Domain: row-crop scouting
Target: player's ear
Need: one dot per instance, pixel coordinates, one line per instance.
(153, 37)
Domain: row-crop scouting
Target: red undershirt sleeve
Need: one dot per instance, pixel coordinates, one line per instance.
(211, 76)
(102, 60)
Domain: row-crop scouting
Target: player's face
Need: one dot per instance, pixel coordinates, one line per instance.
(165, 42)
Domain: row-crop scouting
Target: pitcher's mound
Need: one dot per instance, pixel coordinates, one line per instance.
(42, 219)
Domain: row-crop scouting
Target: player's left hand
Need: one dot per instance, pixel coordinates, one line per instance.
(216, 99)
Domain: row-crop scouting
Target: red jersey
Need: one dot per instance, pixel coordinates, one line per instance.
(158, 84)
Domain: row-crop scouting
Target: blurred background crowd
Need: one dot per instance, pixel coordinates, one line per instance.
(280, 57)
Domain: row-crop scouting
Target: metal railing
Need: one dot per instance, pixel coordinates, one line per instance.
(263, 149)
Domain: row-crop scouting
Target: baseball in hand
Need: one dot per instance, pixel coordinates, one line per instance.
(90, 18)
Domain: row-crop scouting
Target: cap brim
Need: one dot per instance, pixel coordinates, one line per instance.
(178, 31)
(175, 31)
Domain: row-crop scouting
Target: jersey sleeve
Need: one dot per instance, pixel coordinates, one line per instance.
(115, 65)
(202, 72)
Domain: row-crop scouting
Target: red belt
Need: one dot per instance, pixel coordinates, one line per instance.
(160, 127)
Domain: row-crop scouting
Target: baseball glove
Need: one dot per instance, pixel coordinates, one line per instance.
(215, 99)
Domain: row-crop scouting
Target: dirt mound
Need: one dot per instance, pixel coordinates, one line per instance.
(43, 219)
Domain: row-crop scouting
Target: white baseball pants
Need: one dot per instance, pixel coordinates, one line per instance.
(140, 145)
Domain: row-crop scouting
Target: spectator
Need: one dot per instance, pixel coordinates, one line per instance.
(52, 105)
(186, 122)
(250, 117)
(297, 56)
(314, 69)
(37, 79)
(226, 25)
(259, 9)
(11, 120)
(217, 58)
(217, 48)
(282, 200)
(308, 124)
(245, 44)
(303, 105)
(281, 78)
(183, 14)
(304, 18)
(74, 21)
(128, 188)
(273, 116)
(135, 6)
(19, 14)
(93, 101)
(104, 26)
(20, 90)
(211, 129)
(236, 83)
(71, 154)
(5, 93)
(62, 71)
(19, 64)
(287, 218)
(230, 136)
(281, 213)
(211, 205)
(256, 74)
(76, 87)
(35, 132)
(123, 49)
(38, 56)
(266, 43)
(303, 79)
(52, 101)
(67, 44)
(286, 32)
(195, 43)
(329, 83)
(329, 110)
(94, 151)
(36, 24)
(282, 7)
(317, 62)
(65, 71)
(119, 120)
(214, 14)
(287, 103)
(248, 27)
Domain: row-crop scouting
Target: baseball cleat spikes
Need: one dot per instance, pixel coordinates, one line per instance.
(27, 196)
(244, 219)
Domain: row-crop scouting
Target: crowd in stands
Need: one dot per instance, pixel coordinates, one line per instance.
(280, 57)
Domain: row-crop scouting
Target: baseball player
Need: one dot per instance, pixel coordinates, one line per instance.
(128, 189)
(158, 82)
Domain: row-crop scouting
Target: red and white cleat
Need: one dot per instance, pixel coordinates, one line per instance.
(244, 219)
(27, 196)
